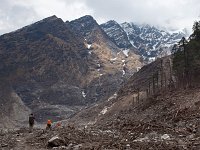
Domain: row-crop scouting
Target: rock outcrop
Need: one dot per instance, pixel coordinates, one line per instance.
(14, 113)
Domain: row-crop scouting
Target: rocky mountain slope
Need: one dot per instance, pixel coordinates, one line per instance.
(164, 121)
(37, 60)
(116, 33)
(57, 68)
(168, 119)
(150, 41)
(126, 97)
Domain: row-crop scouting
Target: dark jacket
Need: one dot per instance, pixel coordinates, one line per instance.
(31, 119)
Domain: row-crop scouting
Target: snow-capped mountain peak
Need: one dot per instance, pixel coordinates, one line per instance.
(150, 41)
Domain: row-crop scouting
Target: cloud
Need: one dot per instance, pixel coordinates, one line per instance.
(13, 16)
(19, 13)
(171, 14)
(65, 9)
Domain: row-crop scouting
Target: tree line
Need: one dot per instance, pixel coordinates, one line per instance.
(183, 69)
(186, 59)
(158, 83)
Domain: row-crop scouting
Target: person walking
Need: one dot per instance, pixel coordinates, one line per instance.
(48, 127)
(31, 122)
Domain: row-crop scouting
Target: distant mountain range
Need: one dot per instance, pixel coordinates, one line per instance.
(149, 41)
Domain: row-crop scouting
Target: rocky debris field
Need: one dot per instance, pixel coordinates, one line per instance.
(170, 122)
(121, 133)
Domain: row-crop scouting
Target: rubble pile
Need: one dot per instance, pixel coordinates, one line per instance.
(168, 123)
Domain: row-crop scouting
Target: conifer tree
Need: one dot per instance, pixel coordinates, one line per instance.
(186, 58)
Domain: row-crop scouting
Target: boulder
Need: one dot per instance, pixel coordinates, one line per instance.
(56, 142)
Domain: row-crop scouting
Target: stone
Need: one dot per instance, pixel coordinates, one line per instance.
(56, 142)
(165, 137)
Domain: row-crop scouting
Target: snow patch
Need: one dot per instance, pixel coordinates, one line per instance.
(113, 59)
(112, 97)
(138, 68)
(132, 43)
(104, 110)
(83, 94)
(151, 59)
(126, 51)
(123, 72)
(89, 46)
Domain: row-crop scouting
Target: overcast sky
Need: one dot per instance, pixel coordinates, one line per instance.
(171, 14)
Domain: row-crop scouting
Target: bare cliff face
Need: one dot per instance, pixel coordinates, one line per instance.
(13, 111)
(109, 65)
(58, 68)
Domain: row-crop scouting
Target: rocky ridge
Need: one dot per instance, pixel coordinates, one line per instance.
(149, 41)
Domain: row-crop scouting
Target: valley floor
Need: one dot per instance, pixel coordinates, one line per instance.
(164, 123)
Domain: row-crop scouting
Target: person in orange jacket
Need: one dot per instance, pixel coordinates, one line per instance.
(48, 125)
